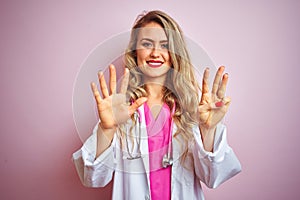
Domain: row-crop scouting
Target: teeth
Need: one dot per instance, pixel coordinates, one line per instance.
(155, 63)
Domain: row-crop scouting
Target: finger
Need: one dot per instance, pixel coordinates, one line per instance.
(103, 85)
(125, 81)
(222, 89)
(219, 104)
(96, 93)
(137, 103)
(205, 86)
(215, 105)
(211, 106)
(225, 102)
(113, 79)
(217, 80)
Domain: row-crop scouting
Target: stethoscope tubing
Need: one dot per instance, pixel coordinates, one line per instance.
(167, 158)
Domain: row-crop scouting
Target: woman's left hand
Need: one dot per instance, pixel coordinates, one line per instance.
(213, 104)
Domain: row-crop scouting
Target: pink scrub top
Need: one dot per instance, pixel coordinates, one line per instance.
(158, 140)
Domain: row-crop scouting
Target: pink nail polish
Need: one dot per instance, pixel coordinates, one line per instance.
(219, 104)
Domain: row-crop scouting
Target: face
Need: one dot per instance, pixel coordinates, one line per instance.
(153, 57)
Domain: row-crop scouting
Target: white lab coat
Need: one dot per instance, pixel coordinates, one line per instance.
(131, 176)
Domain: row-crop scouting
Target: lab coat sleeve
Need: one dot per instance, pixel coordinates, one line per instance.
(214, 168)
(94, 172)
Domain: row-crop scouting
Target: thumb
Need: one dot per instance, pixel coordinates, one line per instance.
(227, 101)
(136, 104)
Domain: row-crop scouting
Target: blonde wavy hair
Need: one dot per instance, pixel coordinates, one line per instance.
(181, 88)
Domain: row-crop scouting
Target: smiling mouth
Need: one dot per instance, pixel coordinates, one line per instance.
(154, 63)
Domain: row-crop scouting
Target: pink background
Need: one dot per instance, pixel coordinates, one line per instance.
(43, 44)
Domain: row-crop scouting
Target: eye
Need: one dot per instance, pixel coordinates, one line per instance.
(165, 46)
(147, 44)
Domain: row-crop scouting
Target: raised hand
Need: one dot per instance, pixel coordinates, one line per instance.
(213, 104)
(112, 107)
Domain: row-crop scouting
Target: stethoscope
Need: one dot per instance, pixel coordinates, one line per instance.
(167, 158)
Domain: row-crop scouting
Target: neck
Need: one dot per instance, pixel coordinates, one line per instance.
(154, 90)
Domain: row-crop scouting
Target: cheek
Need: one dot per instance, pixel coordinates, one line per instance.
(141, 55)
(167, 57)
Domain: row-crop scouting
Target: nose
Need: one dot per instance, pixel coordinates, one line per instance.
(155, 52)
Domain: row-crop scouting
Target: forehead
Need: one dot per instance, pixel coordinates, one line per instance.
(152, 31)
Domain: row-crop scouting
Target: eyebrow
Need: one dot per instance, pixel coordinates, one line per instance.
(150, 40)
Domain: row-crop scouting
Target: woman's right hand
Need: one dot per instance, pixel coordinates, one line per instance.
(112, 106)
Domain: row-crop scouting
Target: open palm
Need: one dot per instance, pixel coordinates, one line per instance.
(213, 104)
(112, 107)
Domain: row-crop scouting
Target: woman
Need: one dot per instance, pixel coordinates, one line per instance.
(156, 136)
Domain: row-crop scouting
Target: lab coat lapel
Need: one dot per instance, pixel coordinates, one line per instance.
(144, 143)
(175, 145)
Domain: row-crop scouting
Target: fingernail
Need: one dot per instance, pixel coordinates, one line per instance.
(219, 104)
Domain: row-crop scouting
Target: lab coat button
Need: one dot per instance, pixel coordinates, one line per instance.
(147, 197)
